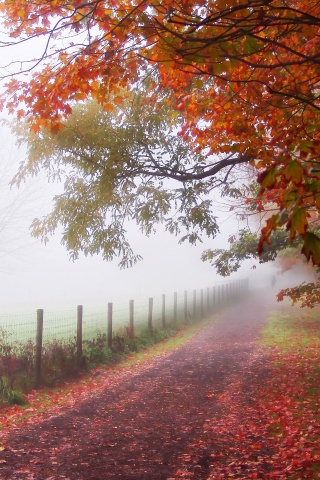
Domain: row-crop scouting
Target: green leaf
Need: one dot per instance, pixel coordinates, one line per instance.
(251, 45)
(306, 146)
(268, 178)
(289, 198)
(298, 222)
(294, 172)
(311, 248)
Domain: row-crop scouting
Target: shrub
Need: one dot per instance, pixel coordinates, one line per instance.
(60, 361)
(96, 351)
(16, 398)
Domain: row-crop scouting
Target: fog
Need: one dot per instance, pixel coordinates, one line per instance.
(34, 275)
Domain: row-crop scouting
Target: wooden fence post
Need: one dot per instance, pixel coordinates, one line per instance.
(79, 331)
(163, 311)
(208, 300)
(175, 307)
(201, 303)
(131, 319)
(186, 305)
(38, 347)
(110, 307)
(194, 304)
(150, 313)
(213, 296)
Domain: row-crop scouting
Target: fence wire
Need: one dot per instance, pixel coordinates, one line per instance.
(62, 325)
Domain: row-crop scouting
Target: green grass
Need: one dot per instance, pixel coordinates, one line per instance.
(45, 398)
(293, 336)
(60, 362)
(292, 326)
(178, 338)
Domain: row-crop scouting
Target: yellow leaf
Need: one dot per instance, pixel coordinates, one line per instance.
(22, 14)
(209, 395)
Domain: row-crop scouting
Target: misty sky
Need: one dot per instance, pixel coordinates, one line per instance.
(33, 275)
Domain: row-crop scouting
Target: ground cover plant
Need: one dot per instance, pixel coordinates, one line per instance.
(293, 401)
(39, 402)
(224, 405)
(60, 362)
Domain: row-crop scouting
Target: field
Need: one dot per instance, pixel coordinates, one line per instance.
(62, 325)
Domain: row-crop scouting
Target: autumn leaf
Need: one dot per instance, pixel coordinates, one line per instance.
(294, 172)
(311, 248)
(298, 222)
(271, 224)
(209, 395)
(267, 178)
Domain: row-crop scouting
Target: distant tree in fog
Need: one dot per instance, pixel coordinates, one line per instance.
(16, 206)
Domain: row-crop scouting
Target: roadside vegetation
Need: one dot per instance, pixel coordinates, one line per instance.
(60, 365)
(292, 393)
(283, 387)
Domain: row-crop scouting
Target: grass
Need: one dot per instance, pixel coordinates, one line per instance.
(44, 400)
(293, 328)
(178, 338)
(59, 362)
(62, 325)
(293, 399)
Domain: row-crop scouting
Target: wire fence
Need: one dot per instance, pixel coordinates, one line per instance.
(24, 338)
(62, 325)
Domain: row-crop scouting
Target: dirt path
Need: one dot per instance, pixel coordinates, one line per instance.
(189, 415)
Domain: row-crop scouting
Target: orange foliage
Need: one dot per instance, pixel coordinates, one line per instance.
(243, 76)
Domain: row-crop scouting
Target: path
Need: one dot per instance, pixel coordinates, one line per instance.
(177, 417)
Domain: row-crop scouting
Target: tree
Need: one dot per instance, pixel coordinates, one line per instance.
(285, 252)
(243, 77)
(116, 166)
(15, 208)
(244, 247)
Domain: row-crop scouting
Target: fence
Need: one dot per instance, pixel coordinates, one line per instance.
(81, 325)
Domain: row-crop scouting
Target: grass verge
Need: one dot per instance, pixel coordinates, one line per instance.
(293, 399)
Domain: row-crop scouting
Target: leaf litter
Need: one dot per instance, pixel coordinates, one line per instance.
(216, 408)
